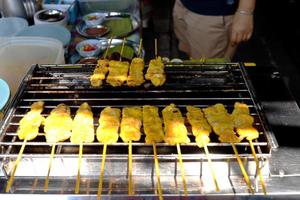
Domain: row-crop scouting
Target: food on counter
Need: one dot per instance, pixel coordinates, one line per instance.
(99, 73)
(221, 122)
(175, 130)
(155, 72)
(58, 124)
(200, 127)
(243, 121)
(88, 47)
(119, 27)
(117, 73)
(83, 125)
(131, 123)
(136, 74)
(30, 123)
(109, 123)
(152, 125)
(96, 31)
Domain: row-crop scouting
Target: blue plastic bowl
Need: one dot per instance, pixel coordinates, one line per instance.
(5, 93)
(10, 26)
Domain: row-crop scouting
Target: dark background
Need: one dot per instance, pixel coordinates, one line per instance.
(275, 42)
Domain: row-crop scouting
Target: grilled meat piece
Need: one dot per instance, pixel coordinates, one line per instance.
(83, 125)
(117, 73)
(99, 73)
(175, 130)
(131, 123)
(109, 123)
(155, 72)
(136, 75)
(30, 123)
(152, 125)
(58, 124)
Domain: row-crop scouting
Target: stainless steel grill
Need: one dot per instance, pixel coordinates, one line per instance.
(187, 84)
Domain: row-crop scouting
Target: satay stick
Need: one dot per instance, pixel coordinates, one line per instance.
(140, 48)
(211, 167)
(122, 48)
(157, 171)
(12, 176)
(155, 47)
(49, 168)
(130, 192)
(102, 171)
(107, 48)
(246, 177)
(182, 169)
(257, 167)
(77, 186)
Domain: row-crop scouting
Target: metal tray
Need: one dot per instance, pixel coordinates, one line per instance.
(81, 26)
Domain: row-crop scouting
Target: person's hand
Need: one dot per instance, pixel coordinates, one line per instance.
(242, 28)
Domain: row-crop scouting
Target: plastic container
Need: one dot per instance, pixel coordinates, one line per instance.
(18, 54)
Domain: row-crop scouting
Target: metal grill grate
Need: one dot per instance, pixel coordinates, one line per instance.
(187, 84)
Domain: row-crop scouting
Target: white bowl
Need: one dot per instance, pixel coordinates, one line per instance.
(80, 48)
(10, 26)
(94, 19)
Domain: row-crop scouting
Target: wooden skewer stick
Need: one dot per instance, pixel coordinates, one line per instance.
(130, 192)
(102, 172)
(122, 48)
(107, 48)
(257, 168)
(77, 186)
(140, 48)
(49, 168)
(246, 177)
(211, 168)
(12, 176)
(182, 169)
(155, 47)
(157, 171)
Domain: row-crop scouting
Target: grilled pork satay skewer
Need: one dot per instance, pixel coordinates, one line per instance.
(201, 130)
(118, 70)
(101, 69)
(243, 122)
(107, 133)
(154, 133)
(131, 131)
(155, 72)
(57, 128)
(175, 133)
(28, 130)
(82, 132)
(136, 75)
(222, 124)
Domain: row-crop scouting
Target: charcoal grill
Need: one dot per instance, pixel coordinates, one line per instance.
(196, 84)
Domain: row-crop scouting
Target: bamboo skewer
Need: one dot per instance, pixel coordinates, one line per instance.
(101, 172)
(157, 171)
(49, 168)
(77, 186)
(130, 192)
(12, 176)
(140, 48)
(257, 168)
(182, 169)
(155, 47)
(106, 51)
(211, 168)
(246, 177)
(122, 48)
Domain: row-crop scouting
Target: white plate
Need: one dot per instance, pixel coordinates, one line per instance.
(5, 93)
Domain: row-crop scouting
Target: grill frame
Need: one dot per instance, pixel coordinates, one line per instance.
(9, 153)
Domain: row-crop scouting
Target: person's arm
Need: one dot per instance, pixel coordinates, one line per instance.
(242, 25)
